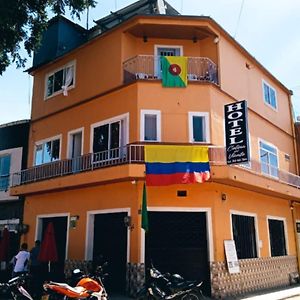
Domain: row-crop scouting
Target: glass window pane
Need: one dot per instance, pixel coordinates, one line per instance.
(264, 156)
(100, 142)
(268, 148)
(273, 160)
(50, 85)
(47, 152)
(150, 133)
(58, 80)
(39, 155)
(198, 129)
(272, 97)
(115, 135)
(55, 150)
(266, 93)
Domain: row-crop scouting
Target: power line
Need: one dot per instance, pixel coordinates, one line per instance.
(239, 18)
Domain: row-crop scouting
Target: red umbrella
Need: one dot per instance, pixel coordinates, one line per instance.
(48, 251)
(4, 245)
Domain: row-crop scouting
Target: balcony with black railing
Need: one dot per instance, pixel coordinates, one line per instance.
(134, 154)
(147, 67)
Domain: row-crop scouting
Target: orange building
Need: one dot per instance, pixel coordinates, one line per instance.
(98, 99)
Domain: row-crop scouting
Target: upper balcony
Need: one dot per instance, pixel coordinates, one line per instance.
(147, 67)
(127, 163)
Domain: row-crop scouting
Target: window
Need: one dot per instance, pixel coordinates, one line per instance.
(268, 159)
(269, 95)
(277, 237)
(199, 127)
(4, 172)
(109, 136)
(60, 80)
(244, 235)
(163, 50)
(150, 125)
(47, 151)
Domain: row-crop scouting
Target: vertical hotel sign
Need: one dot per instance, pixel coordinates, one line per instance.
(236, 132)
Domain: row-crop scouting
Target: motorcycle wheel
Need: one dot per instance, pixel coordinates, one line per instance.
(191, 296)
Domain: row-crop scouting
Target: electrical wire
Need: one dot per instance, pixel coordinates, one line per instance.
(239, 18)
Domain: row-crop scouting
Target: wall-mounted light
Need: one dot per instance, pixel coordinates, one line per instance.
(223, 197)
(145, 39)
(216, 40)
(128, 222)
(195, 39)
(22, 228)
(73, 221)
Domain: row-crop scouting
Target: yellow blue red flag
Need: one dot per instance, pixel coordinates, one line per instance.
(166, 164)
(174, 71)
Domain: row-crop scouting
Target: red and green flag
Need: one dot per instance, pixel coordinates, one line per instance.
(174, 71)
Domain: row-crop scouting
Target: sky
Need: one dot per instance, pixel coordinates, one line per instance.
(267, 29)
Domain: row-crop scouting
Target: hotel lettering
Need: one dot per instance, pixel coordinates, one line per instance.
(236, 132)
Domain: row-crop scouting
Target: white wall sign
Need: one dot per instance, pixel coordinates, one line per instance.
(231, 257)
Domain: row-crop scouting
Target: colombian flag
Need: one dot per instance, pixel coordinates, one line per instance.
(166, 165)
(174, 71)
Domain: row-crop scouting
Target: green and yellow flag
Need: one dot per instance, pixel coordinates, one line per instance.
(174, 71)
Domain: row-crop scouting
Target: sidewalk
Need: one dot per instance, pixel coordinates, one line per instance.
(275, 294)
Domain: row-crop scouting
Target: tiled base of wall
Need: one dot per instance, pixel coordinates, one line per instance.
(255, 274)
(135, 278)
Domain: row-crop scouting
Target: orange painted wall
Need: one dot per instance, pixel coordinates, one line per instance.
(243, 83)
(125, 195)
(78, 202)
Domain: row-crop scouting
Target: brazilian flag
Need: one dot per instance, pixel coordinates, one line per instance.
(174, 71)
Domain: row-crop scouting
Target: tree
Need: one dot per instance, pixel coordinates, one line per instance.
(23, 21)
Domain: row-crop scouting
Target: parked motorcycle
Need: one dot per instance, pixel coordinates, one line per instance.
(169, 286)
(15, 288)
(87, 287)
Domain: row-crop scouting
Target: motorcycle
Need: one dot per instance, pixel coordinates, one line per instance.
(87, 287)
(169, 286)
(15, 287)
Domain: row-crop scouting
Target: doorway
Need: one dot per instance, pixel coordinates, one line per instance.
(60, 225)
(177, 242)
(110, 241)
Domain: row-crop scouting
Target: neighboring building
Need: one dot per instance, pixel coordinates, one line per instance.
(13, 158)
(97, 103)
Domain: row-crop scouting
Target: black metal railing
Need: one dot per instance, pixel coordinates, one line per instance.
(135, 154)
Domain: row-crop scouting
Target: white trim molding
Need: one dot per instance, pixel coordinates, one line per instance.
(143, 114)
(89, 235)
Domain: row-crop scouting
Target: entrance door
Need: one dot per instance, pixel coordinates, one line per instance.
(60, 233)
(164, 51)
(177, 243)
(110, 240)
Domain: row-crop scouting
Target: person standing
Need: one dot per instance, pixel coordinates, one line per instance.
(21, 261)
(35, 270)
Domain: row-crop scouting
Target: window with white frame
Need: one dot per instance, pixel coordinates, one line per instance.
(244, 235)
(150, 130)
(199, 127)
(268, 159)
(47, 151)
(109, 137)
(4, 172)
(61, 80)
(269, 95)
(277, 237)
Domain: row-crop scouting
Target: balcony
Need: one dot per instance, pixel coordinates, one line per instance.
(239, 175)
(147, 67)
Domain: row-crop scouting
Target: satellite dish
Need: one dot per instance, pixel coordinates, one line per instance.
(160, 4)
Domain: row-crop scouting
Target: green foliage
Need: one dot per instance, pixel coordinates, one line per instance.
(23, 21)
